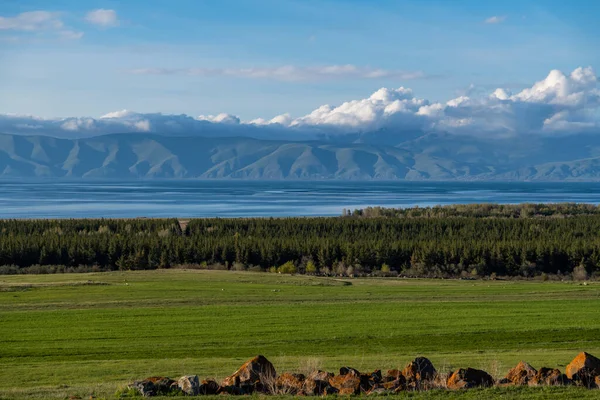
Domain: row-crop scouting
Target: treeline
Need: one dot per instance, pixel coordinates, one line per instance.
(485, 210)
(441, 246)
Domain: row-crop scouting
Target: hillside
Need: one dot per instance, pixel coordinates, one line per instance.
(416, 157)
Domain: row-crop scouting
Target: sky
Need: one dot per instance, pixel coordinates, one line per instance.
(260, 59)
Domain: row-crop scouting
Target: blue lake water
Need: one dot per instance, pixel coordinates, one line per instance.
(178, 198)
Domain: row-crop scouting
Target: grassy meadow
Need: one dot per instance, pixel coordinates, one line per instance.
(82, 334)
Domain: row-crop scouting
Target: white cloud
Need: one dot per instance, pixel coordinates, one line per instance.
(102, 17)
(220, 118)
(283, 119)
(431, 110)
(500, 94)
(561, 89)
(367, 113)
(38, 21)
(289, 72)
(79, 124)
(32, 21)
(118, 114)
(143, 125)
(558, 104)
(496, 19)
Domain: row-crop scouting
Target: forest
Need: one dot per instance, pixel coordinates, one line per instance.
(456, 241)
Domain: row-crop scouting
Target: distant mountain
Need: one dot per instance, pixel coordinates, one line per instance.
(376, 155)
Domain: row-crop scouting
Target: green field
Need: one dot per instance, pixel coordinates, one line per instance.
(78, 334)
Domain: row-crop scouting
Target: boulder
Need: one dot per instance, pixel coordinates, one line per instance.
(375, 376)
(420, 369)
(583, 369)
(466, 378)
(378, 390)
(387, 387)
(396, 385)
(231, 390)
(349, 383)
(319, 375)
(392, 375)
(317, 384)
(189, 384)
(155, 386)
(163, 385)
(145, 387)
(348, 370)
(549, 377)
(318, 388)
(209, 387)
(519, 375)
(370, 380)
(287, 383)
(255, 374)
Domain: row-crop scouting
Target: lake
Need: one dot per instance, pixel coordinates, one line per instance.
(189, 198)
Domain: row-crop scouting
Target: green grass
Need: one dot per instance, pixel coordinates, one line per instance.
(92, 333)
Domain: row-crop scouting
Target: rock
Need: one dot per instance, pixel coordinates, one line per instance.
(549, 377)
(189, 384)
(155, 386)
(375, 376)
(231, 390)
(390, 387)
(469, 378)
(420, 369)
(164, 386)
(329, 390)
(370, 380)
(397, 384)
(419, 374)
(257, 373)
(519, 375)
(378, 391)
(348, 370)
(349, 383)
(392, 375)
(145, 387)
(320, 375)
(583, 369)
(317, 384)
(287, 383)
(209, 387)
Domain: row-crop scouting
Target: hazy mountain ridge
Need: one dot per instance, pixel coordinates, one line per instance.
(414, 156)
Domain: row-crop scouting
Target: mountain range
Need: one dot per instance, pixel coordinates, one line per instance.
(379, 155)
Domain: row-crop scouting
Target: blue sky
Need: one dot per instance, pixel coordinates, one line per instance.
(263, 58)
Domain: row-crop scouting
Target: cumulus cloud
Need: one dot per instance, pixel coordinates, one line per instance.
(558, 104)
(283, 120)
(289, 72)
(369, 113)
(102, 17)
(118, 114)
(38, 21)
(220, 118)
(496, 19)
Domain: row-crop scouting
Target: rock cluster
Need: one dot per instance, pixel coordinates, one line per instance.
(258, 375)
